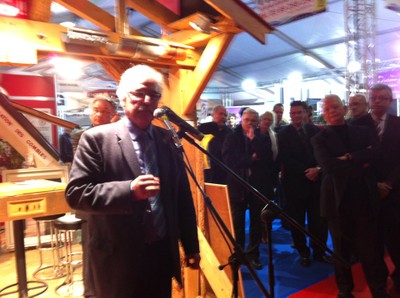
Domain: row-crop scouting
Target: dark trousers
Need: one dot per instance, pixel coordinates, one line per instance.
(155, 278)
(356, 234)
(389, 232)
(238, 210)
(300, 207)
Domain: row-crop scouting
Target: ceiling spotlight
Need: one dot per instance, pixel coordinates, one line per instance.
(9, 8)
(249, 85)
(202, 24)
(295, 77)
(353, 66)
(312, 61)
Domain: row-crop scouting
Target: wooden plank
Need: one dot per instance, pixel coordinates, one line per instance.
(154, 10)
(220, 199)
(244, 16)
(218, 279)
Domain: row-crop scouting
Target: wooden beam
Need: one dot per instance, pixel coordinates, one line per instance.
(24, 38)
(197, 80)
(44, 116)
(244, 16)
(114, 68)
(39, 10)
(155, 11)
(93, 13)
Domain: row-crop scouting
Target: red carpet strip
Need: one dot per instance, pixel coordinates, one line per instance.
(327, 287)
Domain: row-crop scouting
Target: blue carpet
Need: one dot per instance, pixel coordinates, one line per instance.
(290, 276)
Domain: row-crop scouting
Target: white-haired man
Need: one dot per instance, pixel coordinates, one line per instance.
(131, 181)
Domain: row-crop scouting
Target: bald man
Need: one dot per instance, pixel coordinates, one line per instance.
(349, 196)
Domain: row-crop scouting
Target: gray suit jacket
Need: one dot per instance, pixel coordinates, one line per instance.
(103, 168)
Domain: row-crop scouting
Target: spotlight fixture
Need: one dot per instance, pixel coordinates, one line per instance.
(9, 8)
(203, 23)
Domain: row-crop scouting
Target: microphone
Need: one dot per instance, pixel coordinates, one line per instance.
(174, 118)
(175, 137)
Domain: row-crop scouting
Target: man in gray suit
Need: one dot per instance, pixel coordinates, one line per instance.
(139, 205)
(387, 126)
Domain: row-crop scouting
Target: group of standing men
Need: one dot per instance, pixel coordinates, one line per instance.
(342, 175)
(360, 188)
(138, 202)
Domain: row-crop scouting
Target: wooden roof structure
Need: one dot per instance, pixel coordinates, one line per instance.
(186, 56)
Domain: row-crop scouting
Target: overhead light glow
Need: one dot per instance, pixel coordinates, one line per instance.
(249, 85)
(353, 66)
(295, 77)
(67, 68)
(312, 61)
(68, 24)
(57, 8)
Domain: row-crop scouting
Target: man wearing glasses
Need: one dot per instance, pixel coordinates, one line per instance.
(245, 151)
(132, 182)
(387, 127)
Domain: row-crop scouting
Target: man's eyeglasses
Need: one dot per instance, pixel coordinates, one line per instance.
(380, 98)
(141, 95)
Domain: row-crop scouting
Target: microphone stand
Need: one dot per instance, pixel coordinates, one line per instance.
(273, 211)
(238, 257)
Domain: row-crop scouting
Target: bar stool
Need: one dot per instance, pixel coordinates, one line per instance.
(53, 270)
(71, 258)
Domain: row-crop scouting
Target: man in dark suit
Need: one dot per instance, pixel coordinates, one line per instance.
(139, 204)
(301, 182)
(246, 152)
(387, 126)
(218, 128)
(349, 197)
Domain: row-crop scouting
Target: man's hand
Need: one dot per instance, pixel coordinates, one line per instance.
(250, 133)
(312, 174)
(145, 186)
(193, 261)
(384, 189)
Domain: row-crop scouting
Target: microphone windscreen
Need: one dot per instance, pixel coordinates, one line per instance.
(159, 112)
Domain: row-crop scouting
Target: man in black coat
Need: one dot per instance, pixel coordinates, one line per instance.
(349, 196)
(218, 128)
(139, 205)
(246, 152)
(387, 126)
(301, 182)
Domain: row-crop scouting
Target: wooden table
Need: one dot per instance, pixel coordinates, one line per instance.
(28, 199)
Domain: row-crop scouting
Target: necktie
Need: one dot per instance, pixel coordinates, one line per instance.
(378, 127)
(155, 226)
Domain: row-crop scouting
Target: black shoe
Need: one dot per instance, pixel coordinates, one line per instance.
(305, 261)
(345, 294)
(324, 259)
(256, 264)
(380, 294)
(396, 284)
